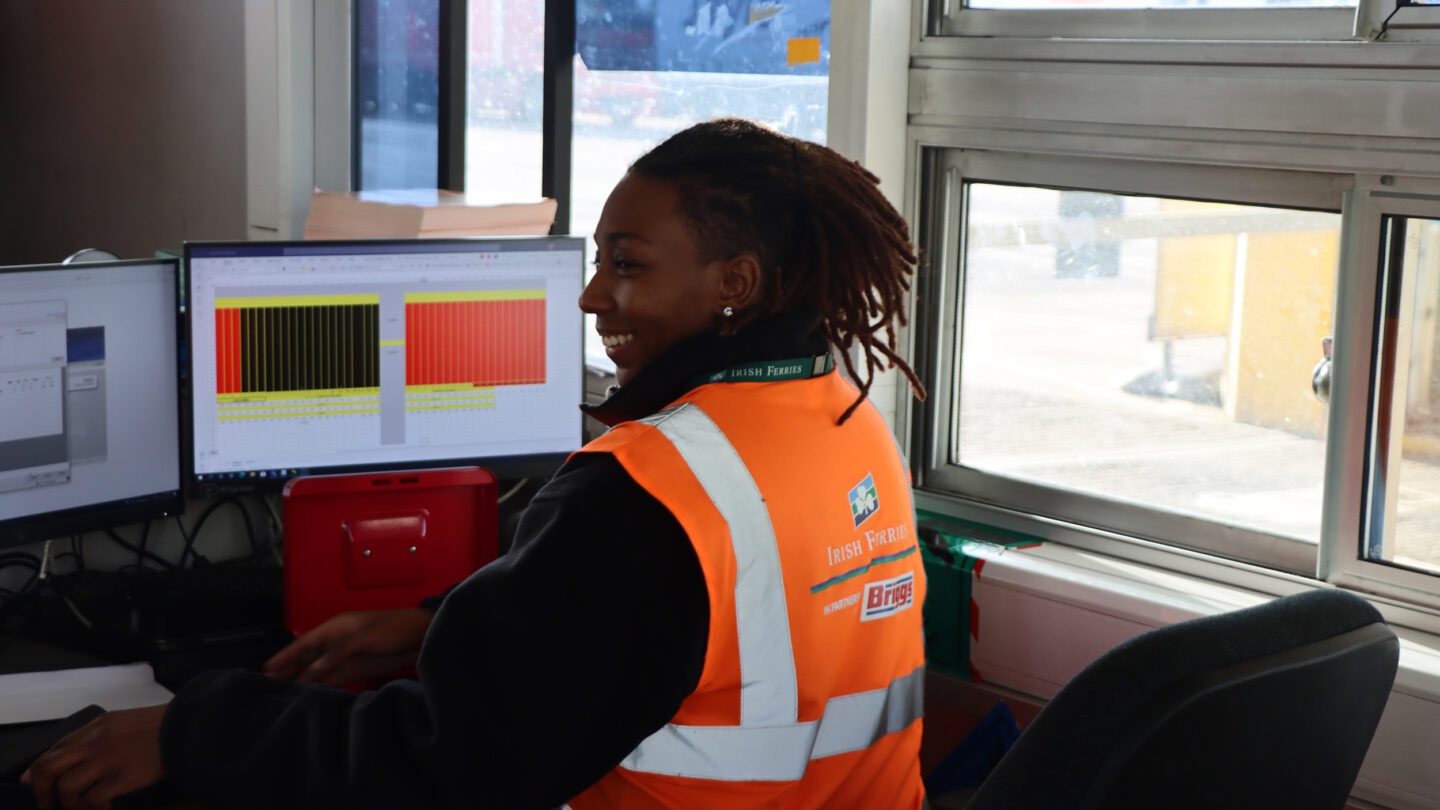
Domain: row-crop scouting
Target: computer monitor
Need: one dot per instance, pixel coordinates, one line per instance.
(89, 401)
(326, 357)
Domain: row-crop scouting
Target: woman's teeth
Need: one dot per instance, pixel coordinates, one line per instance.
(611, 341)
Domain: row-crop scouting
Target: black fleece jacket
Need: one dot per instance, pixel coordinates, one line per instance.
(540, 672)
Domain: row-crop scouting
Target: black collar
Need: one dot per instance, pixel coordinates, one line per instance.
(672, 374)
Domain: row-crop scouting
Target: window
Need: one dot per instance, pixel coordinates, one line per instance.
(1172, 307)
(504, 68)
(645, 70)
(1404, 519)
(639, 72)
(1147, 350)
(397, 86)
(1139, 362)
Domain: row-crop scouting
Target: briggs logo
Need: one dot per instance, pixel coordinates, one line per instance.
(888, 597)
(864, 500)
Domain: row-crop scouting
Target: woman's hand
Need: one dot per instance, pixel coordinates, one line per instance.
(354, 647)
(114, 754)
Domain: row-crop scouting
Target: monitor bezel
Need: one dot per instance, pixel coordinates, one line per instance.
(42, 526)
(535, 465)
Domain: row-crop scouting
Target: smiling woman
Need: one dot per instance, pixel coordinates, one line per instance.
(732, 569)
(771, 224)
(651, 289)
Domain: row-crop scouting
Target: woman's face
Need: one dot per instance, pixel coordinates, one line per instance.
(650, 289)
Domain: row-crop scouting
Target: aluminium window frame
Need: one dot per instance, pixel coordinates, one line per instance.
(1032, 96)
(1360, 500)
(939, 342)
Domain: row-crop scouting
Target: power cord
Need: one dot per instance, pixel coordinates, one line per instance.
(141, 553)
(511, 492)
(192, 556)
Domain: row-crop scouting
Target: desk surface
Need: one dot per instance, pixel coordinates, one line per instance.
(23, 655)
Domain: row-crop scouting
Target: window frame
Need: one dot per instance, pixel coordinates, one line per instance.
(1351, 509)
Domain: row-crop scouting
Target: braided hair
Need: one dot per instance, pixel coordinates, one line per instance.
(823, 233)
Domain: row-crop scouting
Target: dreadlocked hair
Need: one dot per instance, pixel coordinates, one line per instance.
(823, 233)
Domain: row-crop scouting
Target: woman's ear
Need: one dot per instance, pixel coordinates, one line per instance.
(741, 284)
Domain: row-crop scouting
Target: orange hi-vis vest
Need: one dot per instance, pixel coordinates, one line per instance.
(812, 689)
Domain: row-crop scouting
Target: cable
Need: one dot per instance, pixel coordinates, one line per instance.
(19, 558)
(276, 534)
(274, 517)
(192, 555)
(17, 597)
(512, 491)
(140, 553)
(144, 539)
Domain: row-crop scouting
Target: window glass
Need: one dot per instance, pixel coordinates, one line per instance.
(647, 69)
(1405, 508)
(1153, 351)
(397, 84)
(505, 67)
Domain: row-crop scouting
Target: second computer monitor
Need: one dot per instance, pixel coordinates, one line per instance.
(317, 357)
(89, 408)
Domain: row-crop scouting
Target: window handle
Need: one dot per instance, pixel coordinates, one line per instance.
(1320, 377)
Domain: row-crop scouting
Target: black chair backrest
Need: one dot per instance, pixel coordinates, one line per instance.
(1269, 707)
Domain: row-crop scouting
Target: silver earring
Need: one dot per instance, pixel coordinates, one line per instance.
(728, 312)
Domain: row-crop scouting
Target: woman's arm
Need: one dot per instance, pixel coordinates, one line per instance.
(539, 674)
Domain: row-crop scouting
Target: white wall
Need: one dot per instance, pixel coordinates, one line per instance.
(122, 126)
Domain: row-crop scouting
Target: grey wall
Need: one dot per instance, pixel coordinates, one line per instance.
(122, 125)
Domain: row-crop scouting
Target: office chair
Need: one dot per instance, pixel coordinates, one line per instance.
(1268, 707)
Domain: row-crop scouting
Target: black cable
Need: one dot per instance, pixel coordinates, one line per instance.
(18, 557)
(27, 560)
(140, 553)
(191, 554)
(277, 530)
(184, 536)
(144, 539)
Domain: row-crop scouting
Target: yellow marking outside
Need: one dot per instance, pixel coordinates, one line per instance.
(399, 342)
(293, 414)
(802, 50)
(445, 387)
(266, 302)
(473, 295)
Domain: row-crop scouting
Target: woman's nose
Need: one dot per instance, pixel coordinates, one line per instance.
(595, 299)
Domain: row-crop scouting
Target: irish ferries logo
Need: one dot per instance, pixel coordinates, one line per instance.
(864, 500)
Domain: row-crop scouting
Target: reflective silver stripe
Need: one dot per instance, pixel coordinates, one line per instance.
(768, 691)
(856, 721)
(781, 753)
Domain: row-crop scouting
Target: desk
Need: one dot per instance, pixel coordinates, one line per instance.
(72, 680)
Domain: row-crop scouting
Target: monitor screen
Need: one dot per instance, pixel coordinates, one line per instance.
(89, 407)
(324, 357)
